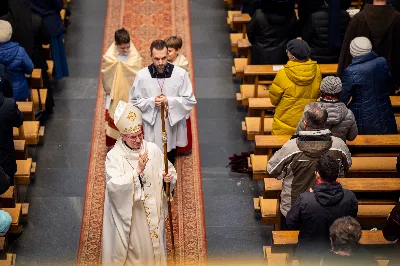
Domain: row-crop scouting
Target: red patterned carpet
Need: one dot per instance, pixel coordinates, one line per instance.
(147, 20)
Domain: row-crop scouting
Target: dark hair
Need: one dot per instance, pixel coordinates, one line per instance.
(315, 115)
(345, 234)
(158, 45)
(174, 42)
(327, 168)
(121, 36)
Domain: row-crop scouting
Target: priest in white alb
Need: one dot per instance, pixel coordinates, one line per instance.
(162, 82)
(135, 204)
(120, 64)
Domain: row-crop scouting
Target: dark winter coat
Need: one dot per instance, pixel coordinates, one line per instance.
(380, 24)
(49, 10)
(340, 122)
(315, 33)
(314, 212)
(269, 34)
(367, 81)
(359, 257)
(10, 117)
(18, 64)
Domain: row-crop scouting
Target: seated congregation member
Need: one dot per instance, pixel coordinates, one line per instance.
(315, 210)
(269, 31)
(120, 64)
(49, 11)
(381, 24)
(17, 62)
(296, 161)
(135, 203)
(345, 234)
(294, 86)
(10, 116)
(366, 83)
(324, 32)
(341, 121)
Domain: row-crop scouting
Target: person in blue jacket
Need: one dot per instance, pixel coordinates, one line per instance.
(17, 62)
(367, 82)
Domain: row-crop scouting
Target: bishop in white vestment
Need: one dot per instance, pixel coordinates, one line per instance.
(135, 204)
(169, 84)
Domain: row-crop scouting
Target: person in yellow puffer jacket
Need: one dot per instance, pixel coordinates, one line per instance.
(294, 86)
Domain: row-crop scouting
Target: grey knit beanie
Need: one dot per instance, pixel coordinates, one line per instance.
(360, 46)
(331, 85)
(5, 31)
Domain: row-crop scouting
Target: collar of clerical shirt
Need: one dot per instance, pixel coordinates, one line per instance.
(166, 74)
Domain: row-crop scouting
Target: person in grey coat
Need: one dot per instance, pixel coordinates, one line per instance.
(341, 121)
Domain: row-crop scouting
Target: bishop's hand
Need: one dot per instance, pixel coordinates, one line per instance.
(143, 159)
(167, 177)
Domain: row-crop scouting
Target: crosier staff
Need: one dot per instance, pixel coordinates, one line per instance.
(164, 141)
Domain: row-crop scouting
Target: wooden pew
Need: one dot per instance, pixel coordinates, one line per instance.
(25, 169)
(27, 109)
(256, 71)
(30, 131)
(21, 152)
(9, 260)
(35, 98)
(361, 167)
(35, 79)
(50, 65)
(47, 51)
(7, 199)
(265, 144)
(15, 214)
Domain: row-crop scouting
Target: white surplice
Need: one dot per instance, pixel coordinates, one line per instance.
(135, 216)
(178, 89)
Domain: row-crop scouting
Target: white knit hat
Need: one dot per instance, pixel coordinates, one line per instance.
(5, 31)
(127, 118)
(360, 46)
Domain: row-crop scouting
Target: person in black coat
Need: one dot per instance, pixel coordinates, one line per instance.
(269, 31)
(315, 211)
(324, 32)
(10, 116)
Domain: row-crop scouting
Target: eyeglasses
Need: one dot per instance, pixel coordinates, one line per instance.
(139, 137)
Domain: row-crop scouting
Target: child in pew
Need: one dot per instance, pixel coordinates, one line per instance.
(174, 46)
(17, 62)
(341, 121)
(294, 86)
(345, 234)
(366, 85)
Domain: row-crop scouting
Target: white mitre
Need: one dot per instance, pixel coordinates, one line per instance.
(127, 118)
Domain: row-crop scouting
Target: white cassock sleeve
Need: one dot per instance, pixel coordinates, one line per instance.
(146, 105)
(180, 106)
(121, 185)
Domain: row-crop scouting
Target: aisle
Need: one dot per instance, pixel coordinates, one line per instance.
(57, 196)
(231, 226)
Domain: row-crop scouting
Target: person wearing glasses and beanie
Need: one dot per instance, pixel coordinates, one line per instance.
(294, 86)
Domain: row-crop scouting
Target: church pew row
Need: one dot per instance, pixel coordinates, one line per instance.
(27, 109)
(265, 144)
(368, 214)
(39, 103)
(25, 170)
(35, 79)
(252, 126)
(30, 131)
(361, 167)
(20, 149)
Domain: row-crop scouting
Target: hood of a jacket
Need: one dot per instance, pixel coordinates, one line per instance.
(337, 111)
(301, 73)
(328, 194)
(379, 19)
(8, 51)
(314, 143)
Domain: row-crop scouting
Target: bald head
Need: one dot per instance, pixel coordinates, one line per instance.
(315, 116)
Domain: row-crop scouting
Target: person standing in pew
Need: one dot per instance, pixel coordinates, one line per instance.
(296, 161)
(381, 24)
(341, 121)
(120, 64)
(269, 31)
(17, 62)
(10, 116)
(135, 204)
(345, 234)
(163, 83)
(315, 210)
(294, 86)
(325, 31)
(366, 83)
